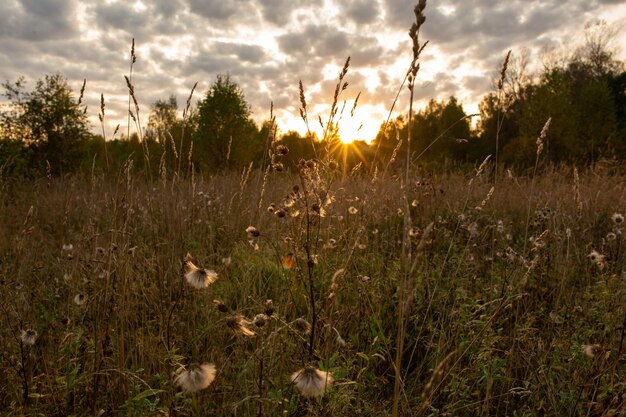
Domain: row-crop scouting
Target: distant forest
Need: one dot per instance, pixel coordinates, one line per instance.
(45, 130)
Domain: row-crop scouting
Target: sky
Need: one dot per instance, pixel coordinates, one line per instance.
(268, 46)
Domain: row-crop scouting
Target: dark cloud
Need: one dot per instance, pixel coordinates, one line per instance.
(278, 12)
(217, 9)
(361, 11)
(246, 53)
(119, 16)
(36, 21)
(320, 41)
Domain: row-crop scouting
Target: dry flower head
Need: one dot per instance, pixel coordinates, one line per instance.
(311, 382)
(196, 377)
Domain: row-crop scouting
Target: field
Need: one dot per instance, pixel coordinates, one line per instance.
(447, 294)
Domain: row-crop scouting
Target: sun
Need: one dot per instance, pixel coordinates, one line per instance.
(362, 126)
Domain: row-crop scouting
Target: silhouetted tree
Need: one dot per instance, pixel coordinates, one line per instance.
(48, 119)
(225, 137)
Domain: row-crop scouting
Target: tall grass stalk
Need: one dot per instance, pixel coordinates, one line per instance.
(404, 298)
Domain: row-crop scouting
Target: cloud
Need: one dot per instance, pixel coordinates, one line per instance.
(267, 46)
(219, 10)
(36, 21)
(361, 11)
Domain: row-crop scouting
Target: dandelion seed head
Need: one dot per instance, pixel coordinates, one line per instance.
(80, 299)
(260, 320)
(330, 244)
(312, 382)
(195, 377)
(282, 150)
(302, 325)
(591, 350)
(28, 336)
(198, 277)
(220, 306)
(252, 232)
(239, 325)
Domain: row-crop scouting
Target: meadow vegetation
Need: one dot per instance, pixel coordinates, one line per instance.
(311, 284)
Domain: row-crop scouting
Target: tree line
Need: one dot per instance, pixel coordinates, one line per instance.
(46, 130)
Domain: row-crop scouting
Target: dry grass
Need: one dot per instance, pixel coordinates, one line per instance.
(498, 325)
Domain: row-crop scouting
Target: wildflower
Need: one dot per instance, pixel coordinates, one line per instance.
(196, 377)
(252, 232)
(302, 325)
(617, 218)
(80, 299)
(67, 247)
(198, 277)
(288, 261)
(353, 210)
(28, 337)
(239, 325)
(311, 382)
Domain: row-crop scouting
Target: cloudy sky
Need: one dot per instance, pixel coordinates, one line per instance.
(267, 46)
